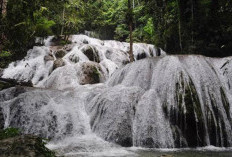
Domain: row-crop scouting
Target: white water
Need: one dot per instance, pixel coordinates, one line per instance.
(111, 55)
(159, 102)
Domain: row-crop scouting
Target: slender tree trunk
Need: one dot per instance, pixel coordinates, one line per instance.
(179, 25)
(130, 16)
(164, 10)
(192, 12)
(62, 28)
(3, 11)
(3, 5)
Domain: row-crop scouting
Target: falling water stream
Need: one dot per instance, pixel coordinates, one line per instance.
(89, 101)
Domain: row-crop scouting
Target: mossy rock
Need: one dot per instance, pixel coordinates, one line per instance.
(91, 73)
(183, 116)
(8, 133)
(58, 63)
(5, 85)
(24, 145)
(60, 53)
(91, 53)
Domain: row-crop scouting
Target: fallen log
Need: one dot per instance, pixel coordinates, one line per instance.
(15, 82)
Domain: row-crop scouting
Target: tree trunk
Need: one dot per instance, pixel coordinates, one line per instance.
(62, 28)
(192, 21)
(3, 5)
(130, 21)
(179, 25)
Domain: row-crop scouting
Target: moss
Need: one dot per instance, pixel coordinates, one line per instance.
(5, 58)
(184, 116)
(41, 149)
(4, 85)
(214, 125)
(9, 132)
(64, 42)
(225, 103)
(5, 54)
(92, 54)
(60, 54)
(58, 40)
(95, 75)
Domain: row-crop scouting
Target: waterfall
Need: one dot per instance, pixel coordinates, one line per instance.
(94, 100)
(63, 67)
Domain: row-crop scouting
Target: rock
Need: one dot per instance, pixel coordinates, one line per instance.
(91, 73)
(85, 41)
(141, 56)
(58, 63)
(60, 53)
(125, 62)
(2, 121)
(91, 53)
(22, 146)
(7, 82)
(158, 51)
(1, 72)
(166, 155)
(74, 58)
(48, 57)
(55, 48)
(68, 47)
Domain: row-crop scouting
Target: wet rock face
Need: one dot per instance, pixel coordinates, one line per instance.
(22, 146)
(116, 128)
(58, 63)
(91, 73)
(91, 53)
(33, 112)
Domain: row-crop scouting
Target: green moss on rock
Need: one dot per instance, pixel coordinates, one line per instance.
(27, 145)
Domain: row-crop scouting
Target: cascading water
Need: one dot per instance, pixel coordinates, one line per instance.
(51, 66)
(159, 102)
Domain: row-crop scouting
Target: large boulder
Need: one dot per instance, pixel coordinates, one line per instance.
(91, 73)
(58, 63)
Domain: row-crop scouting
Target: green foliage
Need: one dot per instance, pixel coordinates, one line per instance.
(5, 58)
(5, 54)
(9, 132)
(177, 26)
(149, 28)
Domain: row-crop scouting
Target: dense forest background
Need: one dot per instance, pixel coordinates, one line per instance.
(177, 26)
